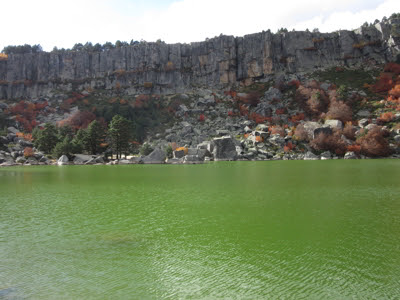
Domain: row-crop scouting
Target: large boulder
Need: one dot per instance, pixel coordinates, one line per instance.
(309, 127)
(201, 153)
(206, 145)
(350, 155)
(20, 160)
(311, 156)
(155, 157)
(326, 155)
(12, 130)
(334, 124)
(81, 159)
(63, 160)
(178, 153)
(191, 159)
(323, 130)
(224, 148)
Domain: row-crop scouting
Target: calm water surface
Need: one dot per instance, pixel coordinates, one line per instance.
(244, 230)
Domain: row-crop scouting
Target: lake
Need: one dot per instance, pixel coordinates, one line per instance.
(245, 230)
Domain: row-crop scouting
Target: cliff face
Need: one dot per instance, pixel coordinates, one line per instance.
(217, 62)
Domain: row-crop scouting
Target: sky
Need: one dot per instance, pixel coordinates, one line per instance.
(63, 23)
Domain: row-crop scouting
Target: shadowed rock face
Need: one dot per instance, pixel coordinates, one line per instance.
(221, 61)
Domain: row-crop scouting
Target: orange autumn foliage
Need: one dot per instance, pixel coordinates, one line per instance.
(288, 147)
(28, 152)
(277, 130)
(259, 139)
(185, 150)
(386, 117)
(354, 148)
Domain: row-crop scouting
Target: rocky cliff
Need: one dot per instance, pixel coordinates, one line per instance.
(217, 62)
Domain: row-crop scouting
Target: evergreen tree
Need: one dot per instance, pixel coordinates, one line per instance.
(78, 141)
(46, 139)
(63, 148)
(95, 134)
(119, 134)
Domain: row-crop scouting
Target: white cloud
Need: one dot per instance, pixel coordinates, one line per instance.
(64, 23)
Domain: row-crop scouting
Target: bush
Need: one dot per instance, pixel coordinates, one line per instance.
(329, 142)
(386, 117)
(374, 143)
(169, 151)
(300, 133)
(349, 131)
(28, 152)
(338, 110)
(277, 130)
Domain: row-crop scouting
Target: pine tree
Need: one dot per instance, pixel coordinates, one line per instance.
(119, 134)
(95, 134)
(46, 139)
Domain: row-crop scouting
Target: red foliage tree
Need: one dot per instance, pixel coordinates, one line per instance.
(277, 130)
(301, 133)
(393, 68)
(374, 143)
(354, 148)
(349, 131)
(288, 147)
(329, 142)
(202, 118)
(384, 83)
(386, 117)
(80, 119)
(339, 110)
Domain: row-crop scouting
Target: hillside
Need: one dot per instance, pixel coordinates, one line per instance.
(287, 95)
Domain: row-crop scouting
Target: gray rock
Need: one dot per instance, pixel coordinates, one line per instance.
(397, 138)
(370, 126)
(363, 122)
(201, 153)
(82, 158)
(364, 114)
(310, 156)
(273, 93)
(178, 153)
(323, 130)
(155, 157)
(13, 130)
(350, 155)
(334, 124)
(63, 160)
(309, 127)
(24, 143)
(224, 148)
(174, 161)
(4, 140)
(192, 159)
(222, 132)
(247, 129)
(326, 155)
(160, 68)
(263, 127)
(206, 145)
(32, 161)
(20, 160)
(277, 140)
(124, 162)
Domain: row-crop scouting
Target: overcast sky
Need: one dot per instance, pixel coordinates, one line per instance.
(64, 23)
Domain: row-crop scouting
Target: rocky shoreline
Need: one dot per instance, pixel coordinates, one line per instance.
(224, 148)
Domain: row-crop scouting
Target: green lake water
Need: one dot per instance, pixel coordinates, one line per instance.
(241, 230)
